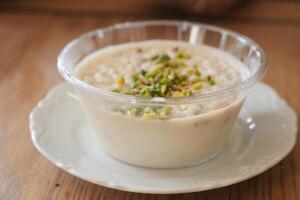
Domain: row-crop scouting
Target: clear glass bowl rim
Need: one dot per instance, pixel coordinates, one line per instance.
(69, 76)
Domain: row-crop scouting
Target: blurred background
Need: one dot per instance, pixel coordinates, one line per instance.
(207, 7)
(169, 8)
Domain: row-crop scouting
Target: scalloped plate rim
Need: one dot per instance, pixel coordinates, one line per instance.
(195, 188)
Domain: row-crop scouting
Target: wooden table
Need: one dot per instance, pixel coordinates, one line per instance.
(30, 39)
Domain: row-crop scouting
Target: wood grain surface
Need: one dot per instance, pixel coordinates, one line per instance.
(30, 40)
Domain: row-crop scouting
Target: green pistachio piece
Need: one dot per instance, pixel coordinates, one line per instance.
(177, 94)
(157, 86)
(147, 115)
(143, 72)
(197, 85)
(163, 81)
(150, 80)
(164, 112)
(151, 74)
(158, 76)
(127, 92)
(137, 84)
(212, 82)
(165, 74)
(163, 58)
(160, 66)
(160, 58)
(135, 77)
(121, 81)
(163, 89)
(155, 57)
(183, 77)
(187, 92)
(116, 90)
(145, 92)
(184, 83)
(183, 55)
(197, 78)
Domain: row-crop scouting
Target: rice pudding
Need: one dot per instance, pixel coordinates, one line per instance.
(166, 134)
(162, 69)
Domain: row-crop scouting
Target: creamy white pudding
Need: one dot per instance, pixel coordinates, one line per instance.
(167, 134)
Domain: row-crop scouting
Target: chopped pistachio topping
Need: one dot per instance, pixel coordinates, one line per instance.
(170, 77)
(150, 112)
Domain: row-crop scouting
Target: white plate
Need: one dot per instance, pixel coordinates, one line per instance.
(263, 135)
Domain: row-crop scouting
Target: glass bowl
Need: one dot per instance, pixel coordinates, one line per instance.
(175, 142)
